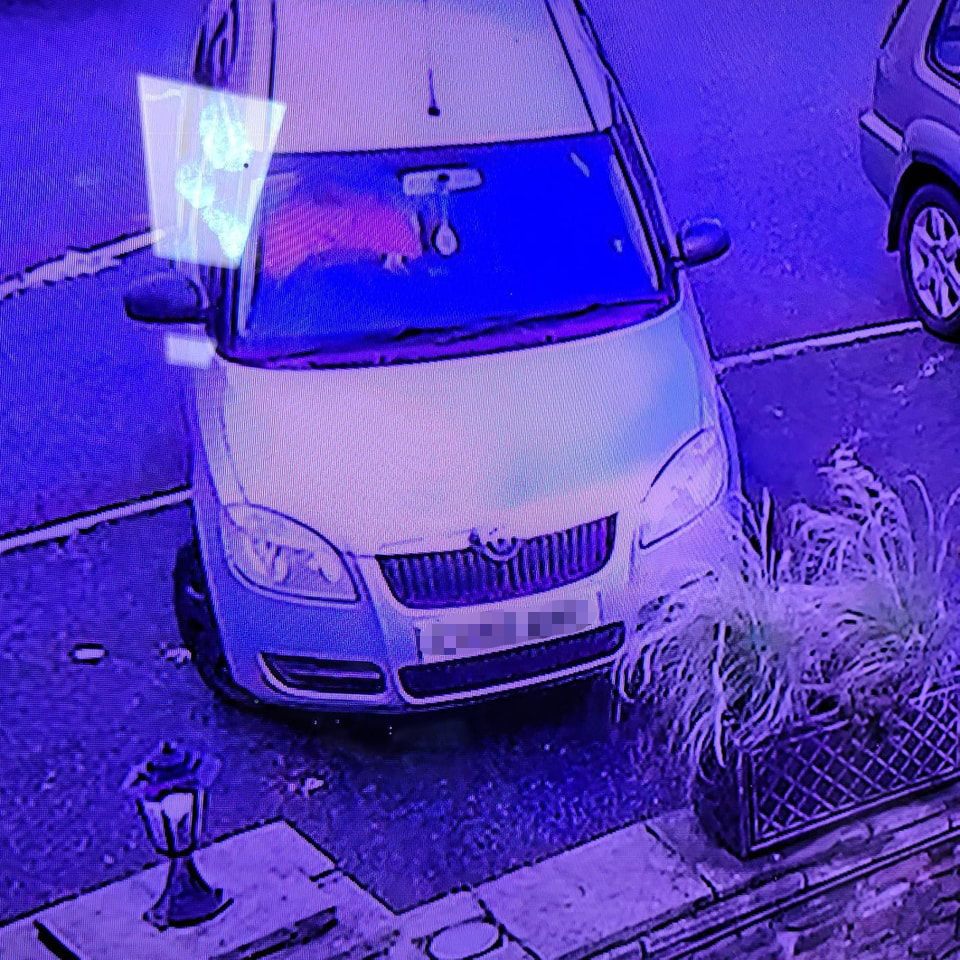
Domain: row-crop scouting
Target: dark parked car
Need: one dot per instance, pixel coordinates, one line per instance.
(910, 147)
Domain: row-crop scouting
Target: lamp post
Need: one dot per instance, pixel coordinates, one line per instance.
(170, 789)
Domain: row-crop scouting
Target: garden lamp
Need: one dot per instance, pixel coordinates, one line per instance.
(170, 789)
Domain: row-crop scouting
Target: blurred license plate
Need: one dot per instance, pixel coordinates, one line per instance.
(475, 634)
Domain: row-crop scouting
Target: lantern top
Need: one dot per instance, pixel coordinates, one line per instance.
(171, 767)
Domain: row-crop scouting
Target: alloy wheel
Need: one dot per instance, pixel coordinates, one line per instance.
(933, 245)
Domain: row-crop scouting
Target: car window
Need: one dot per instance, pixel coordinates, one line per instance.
(626, 140)
(946, 40)
(217, 46)
(445, 241)
(219, 283)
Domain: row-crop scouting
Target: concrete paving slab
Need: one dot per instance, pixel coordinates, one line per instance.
(270, 872)
(592, 893)
(435, 915)
(365, 928)
(18, 941)
(419, 928)
(680, 830)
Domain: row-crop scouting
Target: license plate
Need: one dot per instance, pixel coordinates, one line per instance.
(473, 634)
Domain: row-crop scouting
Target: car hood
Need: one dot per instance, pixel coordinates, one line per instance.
(407, 457)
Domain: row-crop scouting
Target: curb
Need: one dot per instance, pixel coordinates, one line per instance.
(658, 889)
(684, 894)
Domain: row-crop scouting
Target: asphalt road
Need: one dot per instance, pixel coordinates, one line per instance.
(750, 109)
(71, 167)
(91, 413)
(746, 117)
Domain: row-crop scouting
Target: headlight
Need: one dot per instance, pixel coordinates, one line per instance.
(278, 554)
(690, 482)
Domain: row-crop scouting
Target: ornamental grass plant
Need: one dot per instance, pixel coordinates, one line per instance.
(838, 611)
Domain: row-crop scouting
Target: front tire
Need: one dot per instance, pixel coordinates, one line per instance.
(929, 262)
(198, 628)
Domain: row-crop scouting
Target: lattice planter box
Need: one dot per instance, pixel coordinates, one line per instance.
(809, 778)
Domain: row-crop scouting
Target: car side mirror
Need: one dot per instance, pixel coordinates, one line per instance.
(168, 297)
(702, 240)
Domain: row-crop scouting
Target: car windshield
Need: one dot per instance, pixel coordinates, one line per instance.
(414, 246)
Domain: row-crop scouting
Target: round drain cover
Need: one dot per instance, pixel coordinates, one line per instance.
(465, 940)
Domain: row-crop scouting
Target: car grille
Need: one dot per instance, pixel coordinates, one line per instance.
(458, 578)
(509, 666)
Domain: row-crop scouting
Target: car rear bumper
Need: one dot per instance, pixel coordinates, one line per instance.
(880, 146)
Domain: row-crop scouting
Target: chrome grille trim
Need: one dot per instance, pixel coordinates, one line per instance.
(460, 578)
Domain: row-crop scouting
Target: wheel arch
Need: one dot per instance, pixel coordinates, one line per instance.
(923, 170)
(930, 154)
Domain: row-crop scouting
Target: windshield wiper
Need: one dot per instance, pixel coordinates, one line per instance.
(595, 318)
(413, 344)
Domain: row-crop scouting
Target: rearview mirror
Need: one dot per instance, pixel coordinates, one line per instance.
(702, 240)
(165, 298)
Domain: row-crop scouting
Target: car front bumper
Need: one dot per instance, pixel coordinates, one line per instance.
(365, 656)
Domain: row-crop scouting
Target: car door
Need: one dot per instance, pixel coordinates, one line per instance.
(929, 84)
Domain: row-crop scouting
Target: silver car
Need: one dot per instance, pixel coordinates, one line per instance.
(910, 148)
(457, 416)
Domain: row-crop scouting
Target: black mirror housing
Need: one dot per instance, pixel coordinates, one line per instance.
(168, 297)
(702, 240)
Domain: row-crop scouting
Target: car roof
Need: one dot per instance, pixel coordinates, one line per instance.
(356, 74)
